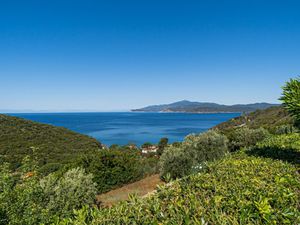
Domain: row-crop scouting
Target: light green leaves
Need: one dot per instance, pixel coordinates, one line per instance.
(291, 97)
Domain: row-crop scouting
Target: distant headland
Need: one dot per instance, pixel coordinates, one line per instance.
(186, 106)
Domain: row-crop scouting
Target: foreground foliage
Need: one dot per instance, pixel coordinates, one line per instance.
(190, 156)
(27, 199)
(238, 189)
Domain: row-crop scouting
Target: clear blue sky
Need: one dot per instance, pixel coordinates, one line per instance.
(117, 55)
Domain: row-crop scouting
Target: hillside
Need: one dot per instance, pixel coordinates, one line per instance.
(270, 118)
(203, 107)
(51, 145)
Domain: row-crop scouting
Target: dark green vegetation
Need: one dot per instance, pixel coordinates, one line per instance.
(283, 147)
(114, 168)
(203, 107)
(192, 154)
(270, 119)
(52, 146)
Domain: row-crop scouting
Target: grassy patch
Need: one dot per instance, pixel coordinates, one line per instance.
(139, 188)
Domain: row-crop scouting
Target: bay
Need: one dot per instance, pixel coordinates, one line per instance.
(132, 127)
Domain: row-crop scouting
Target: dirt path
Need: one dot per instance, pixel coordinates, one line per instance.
(141, 188)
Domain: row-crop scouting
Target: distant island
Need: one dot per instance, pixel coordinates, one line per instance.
(204, 107)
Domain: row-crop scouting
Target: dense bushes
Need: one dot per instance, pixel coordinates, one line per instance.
(114, 168)
(73, 190)
(176, 162)
(238, 189)
(283, 147)
(286, 129)
(27, 199)
(207, 146)
(194, 151)
(245, 137)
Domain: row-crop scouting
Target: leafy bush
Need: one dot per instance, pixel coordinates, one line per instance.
(283, 147)
(238, 189)
(194, 151)
(162, 144)
(113, 168)
(73, 190)
(176, 162)
(149, 165)
(245, 137)
(25, 199)
(207, 146)
(291, 97)
(286, 129)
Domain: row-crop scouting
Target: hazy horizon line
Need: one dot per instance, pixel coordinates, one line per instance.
(107, 110)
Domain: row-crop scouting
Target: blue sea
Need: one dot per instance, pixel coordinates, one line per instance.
(132, 127)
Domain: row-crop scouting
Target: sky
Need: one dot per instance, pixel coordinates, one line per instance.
(117, 55)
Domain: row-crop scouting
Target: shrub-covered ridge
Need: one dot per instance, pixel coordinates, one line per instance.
(53, 146)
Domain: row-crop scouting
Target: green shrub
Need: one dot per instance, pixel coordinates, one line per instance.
(113, 168)
(207, 146)
(194, 151)
(73, 190)
(149, 165)
(238, 189)
(25, 199)
(286, 129)
(162, 144)
(282, 147)
(176, 162)
(245, 137)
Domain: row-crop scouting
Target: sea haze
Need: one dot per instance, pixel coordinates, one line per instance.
(131, 127)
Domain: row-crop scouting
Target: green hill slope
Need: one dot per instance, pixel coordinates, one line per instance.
(270, 118)
(52, 146)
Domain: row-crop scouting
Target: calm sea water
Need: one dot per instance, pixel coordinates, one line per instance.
(131, 127)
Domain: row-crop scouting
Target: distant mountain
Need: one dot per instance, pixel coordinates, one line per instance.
(203, 107)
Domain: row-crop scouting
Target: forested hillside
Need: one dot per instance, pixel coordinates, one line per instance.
(51, 145)
(271, 118)
(203, 107)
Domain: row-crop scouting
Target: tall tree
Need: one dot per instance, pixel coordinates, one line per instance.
(291, 97)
